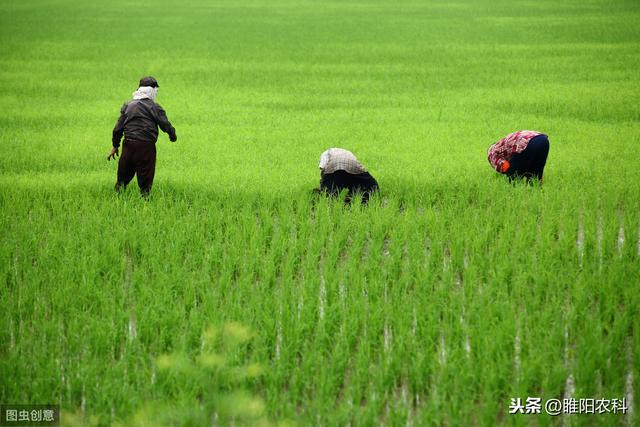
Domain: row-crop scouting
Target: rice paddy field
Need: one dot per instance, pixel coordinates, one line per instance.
(234, 296)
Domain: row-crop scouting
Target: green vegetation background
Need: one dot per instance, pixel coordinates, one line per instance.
(452, 293)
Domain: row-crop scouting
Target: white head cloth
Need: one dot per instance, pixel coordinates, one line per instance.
(324, 159)
(146, 92)
(340, 159)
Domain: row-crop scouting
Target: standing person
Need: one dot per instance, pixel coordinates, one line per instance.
(339, 169)
(520, 154)
(139, 121)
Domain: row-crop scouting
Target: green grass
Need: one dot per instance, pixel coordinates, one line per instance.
(450, 294)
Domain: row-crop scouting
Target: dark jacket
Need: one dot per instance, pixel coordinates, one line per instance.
(139, 121)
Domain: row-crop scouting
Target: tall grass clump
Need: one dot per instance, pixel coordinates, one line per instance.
(450, 293)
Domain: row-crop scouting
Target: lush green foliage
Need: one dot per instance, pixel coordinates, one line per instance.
(451, 293)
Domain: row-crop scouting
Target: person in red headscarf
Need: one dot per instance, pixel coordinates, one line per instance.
(521, 154)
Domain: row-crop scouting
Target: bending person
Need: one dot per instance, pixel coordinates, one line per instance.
(520, 154)
(339, 170)
(139, 121)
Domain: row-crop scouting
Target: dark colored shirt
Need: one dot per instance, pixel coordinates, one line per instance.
(139, 121)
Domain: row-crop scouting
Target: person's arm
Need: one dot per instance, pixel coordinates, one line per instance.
(118, 129)
(498, 162)
(118, 132)
(497, 156)
(164, 123)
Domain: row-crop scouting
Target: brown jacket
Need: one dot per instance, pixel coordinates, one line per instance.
(139, 121)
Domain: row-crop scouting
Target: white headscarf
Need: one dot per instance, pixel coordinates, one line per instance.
(324, 159)
(147, 92)
(340, 159)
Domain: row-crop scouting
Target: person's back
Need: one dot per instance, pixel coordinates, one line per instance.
(340, 169)
(142, 116)
(139, 121)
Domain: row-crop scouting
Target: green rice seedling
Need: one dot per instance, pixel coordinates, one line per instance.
(452, 292)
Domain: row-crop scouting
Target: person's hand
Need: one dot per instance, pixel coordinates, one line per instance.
(504, 167)
(173, 138)
(113, 154)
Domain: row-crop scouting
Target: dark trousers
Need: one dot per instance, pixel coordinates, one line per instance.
(334, 183)
(530, 162)
(138, 158)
